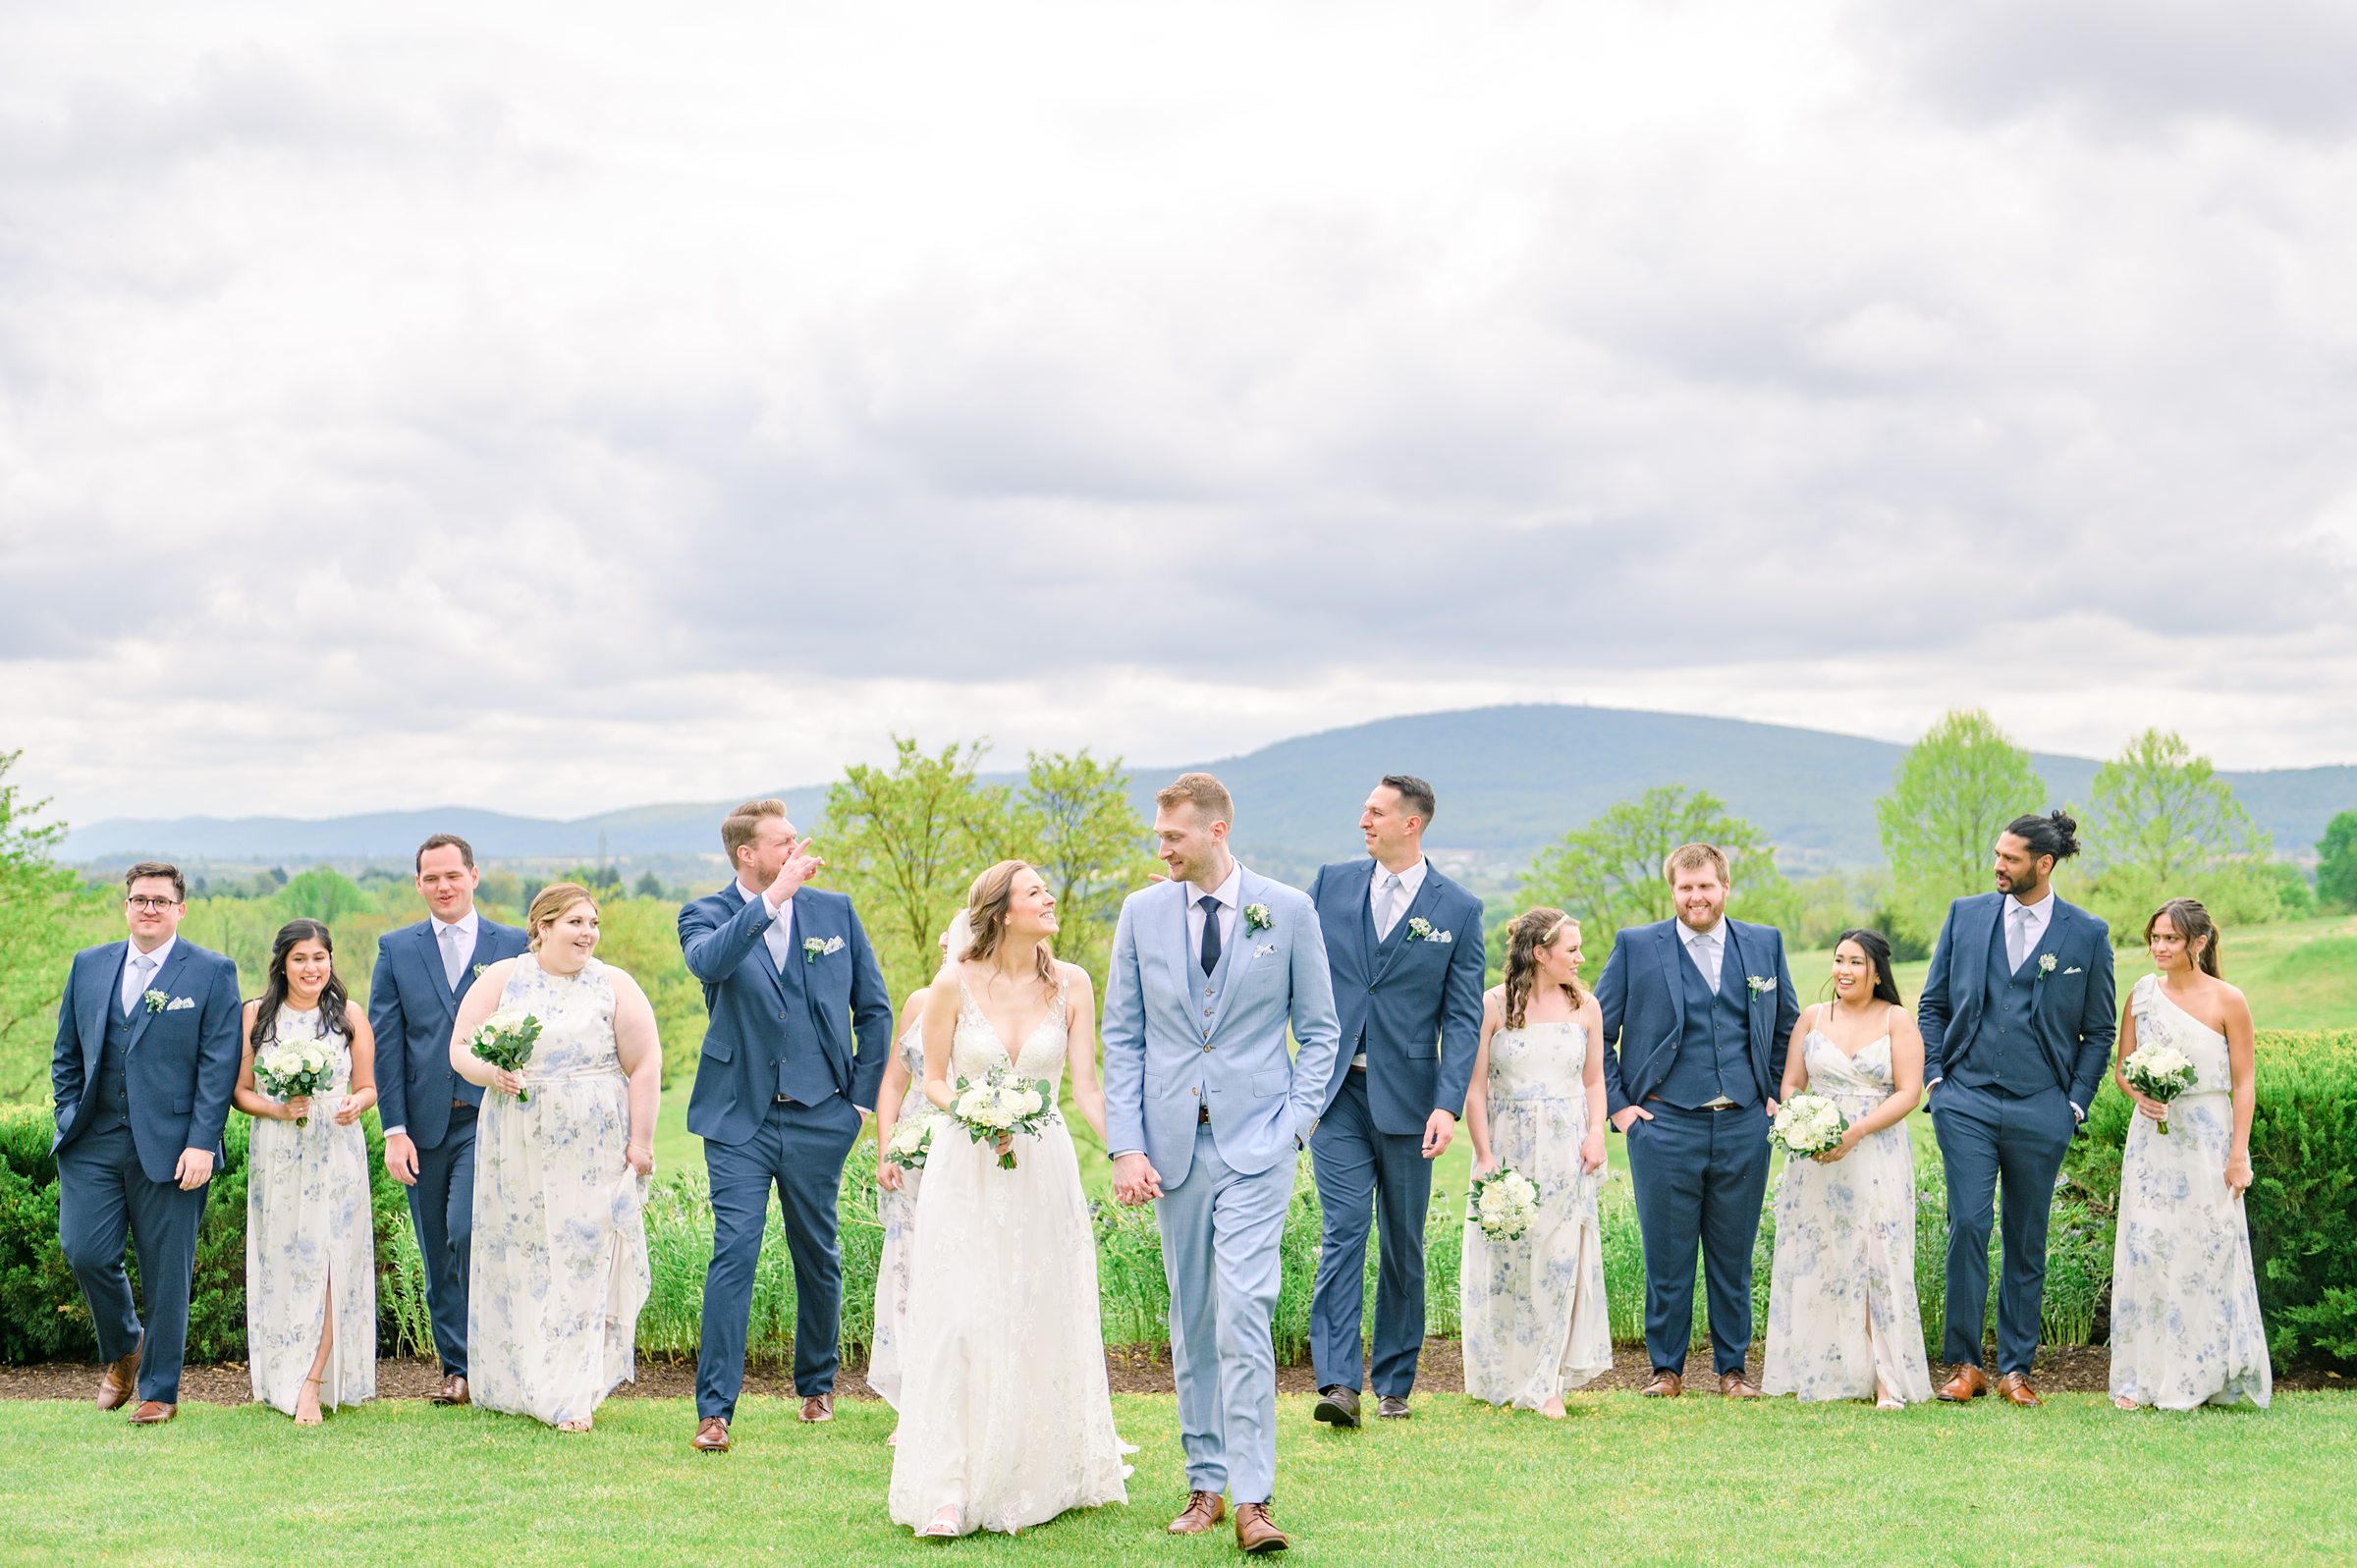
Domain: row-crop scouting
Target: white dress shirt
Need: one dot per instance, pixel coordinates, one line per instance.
(1708, 948)
(1227, 893)
(134, 984)
(780, 933)
(1411, 883)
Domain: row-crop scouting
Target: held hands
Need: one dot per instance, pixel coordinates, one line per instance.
(195, 1170)
(800, 867)
(1135, 1180)
(1629, 1117)
(1591, 1152)
(401, 1159)
(1438, 1128)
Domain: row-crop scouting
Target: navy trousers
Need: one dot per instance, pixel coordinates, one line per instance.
(800, 1150)
(1699, 1176)
(104, 1198)
(1367, 1174)
(442, 1207)
(1990, 1139)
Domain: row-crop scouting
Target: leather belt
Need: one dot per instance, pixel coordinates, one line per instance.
(1358, 1063)
(1657, 1100)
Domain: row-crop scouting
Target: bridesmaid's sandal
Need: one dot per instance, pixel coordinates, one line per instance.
(945, 1523)
(314, 1418)
(583, 1425)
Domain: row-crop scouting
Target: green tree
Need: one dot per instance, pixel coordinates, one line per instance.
(905, 841)
(1089, 844)
(1951, 796)
(322, 894)
(2162, 824)
(39, 933)
(604, 882)
(648, 886)
(2337, 863)
(1607, 874)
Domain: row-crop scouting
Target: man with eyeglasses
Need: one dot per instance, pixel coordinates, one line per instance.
(146, 1056)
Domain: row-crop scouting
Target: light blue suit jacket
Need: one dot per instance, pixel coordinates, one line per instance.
(1163, 1060)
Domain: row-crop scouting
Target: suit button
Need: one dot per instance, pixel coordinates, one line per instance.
(773, 1061)
(781, 1017)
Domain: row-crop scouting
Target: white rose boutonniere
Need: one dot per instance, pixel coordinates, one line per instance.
(156, 1001)
(818, 948)
(1256, 918)
(478, 970)
(2046, 964)
(1760, 984)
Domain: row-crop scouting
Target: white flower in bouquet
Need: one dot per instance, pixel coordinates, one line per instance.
(1002, 1105)
(1808, 1125)
(1505, 1203)
(2159, 1071)
(912, 1141)
(291, 1069)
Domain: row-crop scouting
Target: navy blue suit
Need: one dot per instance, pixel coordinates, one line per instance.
(1698, 1174)
(413, 1009)
(2010, 1051)
(133, 1091)
(1412, 1007)
(792, 1055)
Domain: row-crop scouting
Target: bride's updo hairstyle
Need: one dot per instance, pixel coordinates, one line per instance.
(2191, 921)
(986, 905)
(550, 906)
(1532, 930)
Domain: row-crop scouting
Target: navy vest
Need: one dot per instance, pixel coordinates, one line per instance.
(803, 1074)
(107, 1103)
(1714, 1052)
(2003, 1052)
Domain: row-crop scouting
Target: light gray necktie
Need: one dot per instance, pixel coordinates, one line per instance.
(1706, 948)
(141, 966)
(452, 958)
(2017, 943)
(1390, 917)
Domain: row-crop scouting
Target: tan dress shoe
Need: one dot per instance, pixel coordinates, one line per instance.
(1204, 1510)
(818, 1407)
(2014, 1389)
(1255, 1531)
(1967, 1382)
(120, 1379)
(711, 1435)
(1665, 1386)
(1735, 1385)
(154, 1413)
(453, 1391)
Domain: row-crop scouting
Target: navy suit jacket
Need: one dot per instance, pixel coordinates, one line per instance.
(1642, 996)
(412, 1010)
(755, 1012)
(183, 1061)
(1413, 1008)
(2074, 1015)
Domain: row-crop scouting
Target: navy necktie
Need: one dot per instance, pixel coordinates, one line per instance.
(1211, 931)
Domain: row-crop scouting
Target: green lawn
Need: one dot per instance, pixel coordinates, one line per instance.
(1624, 1481)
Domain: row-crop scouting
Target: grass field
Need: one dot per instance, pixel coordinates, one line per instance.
(1624, 1481)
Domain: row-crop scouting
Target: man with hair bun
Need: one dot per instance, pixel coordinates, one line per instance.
(2017, 1027)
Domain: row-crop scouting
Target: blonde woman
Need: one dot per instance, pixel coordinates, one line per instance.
(562, 1154)
(1533, 1306)
(1006, 1421)
(897, 1189)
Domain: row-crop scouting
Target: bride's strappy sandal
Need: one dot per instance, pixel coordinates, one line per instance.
(945, 1523)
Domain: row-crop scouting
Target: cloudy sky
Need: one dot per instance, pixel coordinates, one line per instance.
(562, 407)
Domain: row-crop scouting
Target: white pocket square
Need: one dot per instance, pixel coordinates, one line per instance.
(178, 1002)
(1264, 949)
(2074, 970)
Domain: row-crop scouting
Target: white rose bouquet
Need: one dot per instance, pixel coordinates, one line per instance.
(2160, 1072)
(1502, 1202)
(1808, 1125)
(912, 1141)
(1002, 1105)
(506, 1042)
(291, 1069)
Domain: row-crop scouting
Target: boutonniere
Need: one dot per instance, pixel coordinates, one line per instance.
(156, 1001)
(2046, 964)
(1256, 918)
(1420, 929)
(478, 970)
(1760, 984)
(818, 948)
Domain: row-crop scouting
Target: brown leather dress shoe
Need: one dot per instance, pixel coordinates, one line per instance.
(818, 1407)
(1665, 1386)
(1204, 1510)
(1336, 1406)
(1735, 1385)
(454, 1392)
(1392, 1407)
(120, 1379)
(1967, 1382)
(1255, 1531)
(2014, 1389)
(711, 1435)
(154, 1413)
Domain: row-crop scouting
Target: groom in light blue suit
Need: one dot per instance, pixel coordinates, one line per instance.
(1205, 1115)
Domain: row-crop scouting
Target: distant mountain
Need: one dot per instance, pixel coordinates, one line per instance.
(1508, 780)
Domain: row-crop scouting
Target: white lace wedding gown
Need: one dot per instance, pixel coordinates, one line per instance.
(1005, 1415)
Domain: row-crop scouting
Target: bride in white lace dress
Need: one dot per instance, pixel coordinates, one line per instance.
(1006, 1419)
(1843, 1322)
